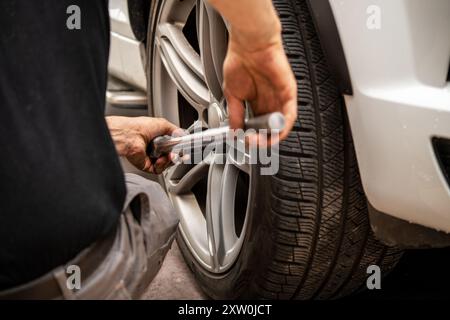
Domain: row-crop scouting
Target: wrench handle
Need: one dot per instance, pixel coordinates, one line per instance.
(163, 145)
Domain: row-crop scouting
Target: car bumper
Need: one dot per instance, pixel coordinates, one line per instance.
(401, 101)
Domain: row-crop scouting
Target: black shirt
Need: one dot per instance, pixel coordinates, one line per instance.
(61, 184)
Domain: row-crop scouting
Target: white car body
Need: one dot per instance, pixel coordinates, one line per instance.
(125, 60)
(400, 101)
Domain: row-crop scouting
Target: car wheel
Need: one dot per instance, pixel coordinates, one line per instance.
(302, 233)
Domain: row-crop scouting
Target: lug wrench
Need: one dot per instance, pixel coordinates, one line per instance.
(163, 145)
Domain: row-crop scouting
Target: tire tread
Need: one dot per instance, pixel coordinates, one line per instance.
(322, 240)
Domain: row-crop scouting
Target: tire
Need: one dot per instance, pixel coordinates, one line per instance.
(307, 234)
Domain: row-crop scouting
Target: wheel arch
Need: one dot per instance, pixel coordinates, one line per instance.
(330, 40)
(139, 11)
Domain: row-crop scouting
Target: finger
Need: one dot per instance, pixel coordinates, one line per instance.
(159, 127)
(236, 112)
(147, 165)
(152, 169)
(174, 158)
(167, 127)
(290, 115)
(161, 164)
(179, 132)
(168, 163)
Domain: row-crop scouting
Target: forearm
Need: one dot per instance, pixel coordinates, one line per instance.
(254, 20)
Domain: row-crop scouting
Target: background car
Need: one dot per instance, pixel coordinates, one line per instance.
(380, 87)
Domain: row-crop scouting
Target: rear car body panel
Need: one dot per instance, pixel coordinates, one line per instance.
(126, 53)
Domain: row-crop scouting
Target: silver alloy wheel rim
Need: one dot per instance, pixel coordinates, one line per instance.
(210, 236)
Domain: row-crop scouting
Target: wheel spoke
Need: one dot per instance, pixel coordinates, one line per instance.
(239, 156)
(183, 65)
(240, 160)
(197, 126)
(213, 213)
(218, 42)
(212, 36)
(228, 190)
(190, 178)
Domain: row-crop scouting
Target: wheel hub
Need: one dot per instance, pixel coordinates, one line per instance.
(215, 115)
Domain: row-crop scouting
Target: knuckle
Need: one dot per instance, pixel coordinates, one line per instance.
(135, 150)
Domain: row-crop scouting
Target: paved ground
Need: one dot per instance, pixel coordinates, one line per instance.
(421, 274)
(174, 280)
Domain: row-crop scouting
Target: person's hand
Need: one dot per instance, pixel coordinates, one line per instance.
(260, 74)
(132, 135)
